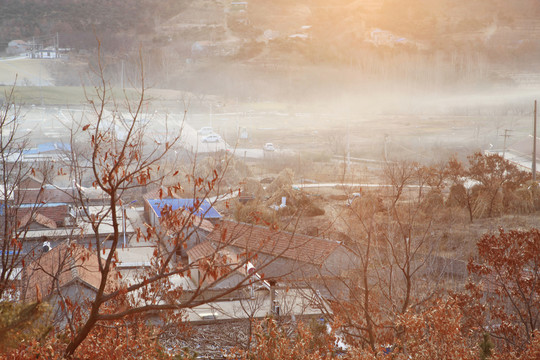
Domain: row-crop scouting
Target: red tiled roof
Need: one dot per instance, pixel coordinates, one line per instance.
(46, 215)
(67, 263)
(259, 239)
(196, 222)
(31, 182)
(203, 224)
(162, 190)
(45, 221)
(200, 251)
(45, 195)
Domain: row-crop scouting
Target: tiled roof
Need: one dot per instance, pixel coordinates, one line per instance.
(259, 239)
(45, 221)
(200, 251)
(187, 223)
(31, 182)
(45, 195)
(45, 215)
(203, 224)
(162, 190)
(67, 263)
(204, 209)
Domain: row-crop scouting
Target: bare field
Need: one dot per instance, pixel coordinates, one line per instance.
(415, 137)
(27, 72)
(328, 113)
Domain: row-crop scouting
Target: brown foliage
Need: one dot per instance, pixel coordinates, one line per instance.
(110, 341)
(436, 333)
(274, 342)
(508, 271)
(496, 179)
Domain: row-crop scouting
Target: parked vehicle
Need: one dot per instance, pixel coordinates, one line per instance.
(212, 138)
(269, 147)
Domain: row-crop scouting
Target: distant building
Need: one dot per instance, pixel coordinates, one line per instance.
(381, 37)
(205, 48)
(299, 36)
(47, 152)
(238, 6)
(48, 53)
(238, 11)
(16, 47)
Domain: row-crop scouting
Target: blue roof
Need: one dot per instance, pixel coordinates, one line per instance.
(51, 146)
(41, 205)
(31, 206)
(205, 209)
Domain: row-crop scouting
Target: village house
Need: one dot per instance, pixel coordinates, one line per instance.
(55, 214)
(16, 47)
(68, 271)
(197, 219)
(280, 254)
(252, 296)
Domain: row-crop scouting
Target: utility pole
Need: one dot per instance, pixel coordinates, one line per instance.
(122, 75)
(348, 147)
(385, 147)
(505, 137)
(57, 55)
(534, 146)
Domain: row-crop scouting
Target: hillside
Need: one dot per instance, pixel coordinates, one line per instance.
(75, 21)
(338, 22)
(210, 46)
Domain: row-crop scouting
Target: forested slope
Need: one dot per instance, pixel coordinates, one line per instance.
(77, 20)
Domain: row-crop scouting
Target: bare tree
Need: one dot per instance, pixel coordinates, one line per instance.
(122, 158)
(483, 184)
(14, 219)
(408, 241)
(393, 241)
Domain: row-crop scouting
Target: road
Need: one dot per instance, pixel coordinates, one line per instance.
(298, 186)
(192, 141)
(48, 124)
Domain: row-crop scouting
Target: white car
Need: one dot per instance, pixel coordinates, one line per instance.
(207, 130)
(212, 138)
(269, 147)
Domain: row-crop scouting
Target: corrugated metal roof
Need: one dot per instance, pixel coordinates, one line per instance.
(203, 210)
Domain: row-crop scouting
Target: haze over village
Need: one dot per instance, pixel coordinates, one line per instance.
(216, 179)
